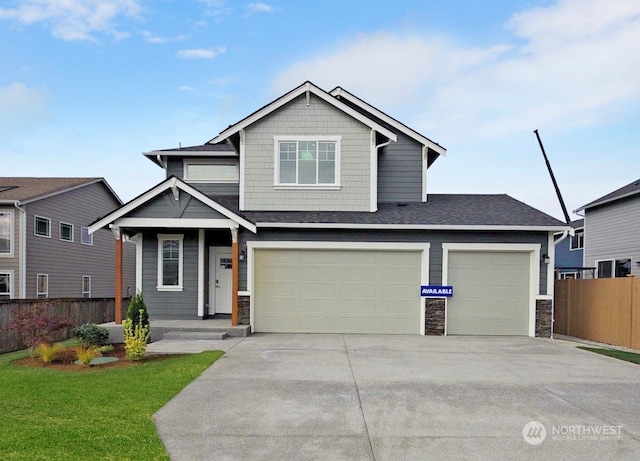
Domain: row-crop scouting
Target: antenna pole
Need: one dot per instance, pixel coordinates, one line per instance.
(553, 179)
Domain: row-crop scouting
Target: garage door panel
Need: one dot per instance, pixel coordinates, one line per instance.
(354, 291)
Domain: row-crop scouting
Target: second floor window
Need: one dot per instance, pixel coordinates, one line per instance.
(307, 161)
(577, 241)
(210, 171)
(66, 232)
(85, 237)
(6, 221)
(42, 226)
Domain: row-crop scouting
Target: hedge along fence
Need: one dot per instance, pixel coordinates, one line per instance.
(77, 310)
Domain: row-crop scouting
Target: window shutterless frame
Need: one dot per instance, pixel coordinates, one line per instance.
(85, 237)
(6, 234)
(86, 286)
(311, 162)
(170, 262)
(6, 284)
(41, 226)
(42, 285)
(66, 232)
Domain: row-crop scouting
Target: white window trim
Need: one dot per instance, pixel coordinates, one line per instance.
(72, 231)
(571, 247)
(207, 161)
(35, 226)
(11, 235)
(161, 238)
(82, 290)
(39, 293)
(90, 236)
(321, 138)
(11, 274)
(563, 275)
(613, 266)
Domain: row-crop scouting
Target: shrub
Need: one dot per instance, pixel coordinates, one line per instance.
(86, 353)
(91, 334)
(48, 352)
(36, 324)
(136, 305)
(135, 338)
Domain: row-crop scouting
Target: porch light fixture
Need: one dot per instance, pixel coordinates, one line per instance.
(546, 259)
(243, 255)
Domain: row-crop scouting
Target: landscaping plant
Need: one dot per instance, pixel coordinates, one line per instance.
(36, 325)
(91, 334)
(135, 337)
(86, 353)
(137, 311)
(48, 352)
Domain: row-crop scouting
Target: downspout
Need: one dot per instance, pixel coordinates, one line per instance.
(23, 251)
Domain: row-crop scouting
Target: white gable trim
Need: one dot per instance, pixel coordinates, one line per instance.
(389, 120)
(462, 227)
(307, 87)
(174, 184)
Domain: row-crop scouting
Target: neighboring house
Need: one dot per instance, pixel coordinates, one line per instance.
(312, 215)
(612, 226)
(569, 253)
(46, 250)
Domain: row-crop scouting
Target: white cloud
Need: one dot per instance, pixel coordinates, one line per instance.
(260, 7)
(74, 19)
(21, 107)
(156, 39)
(201, 53)
(572, 64)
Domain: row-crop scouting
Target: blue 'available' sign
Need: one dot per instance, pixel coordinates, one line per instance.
(436, 291)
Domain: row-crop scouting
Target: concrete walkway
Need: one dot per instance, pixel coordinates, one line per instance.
(360, 397)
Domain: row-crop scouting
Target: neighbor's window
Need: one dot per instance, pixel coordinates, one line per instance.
(577, 241)
(5, 285)
(41, 226)
(307, 161)
(170, 248)
(613, 268)
(66, 232)
(6, 225)
(86, 286)
(42, 286)
(211, 171)
(85, 237)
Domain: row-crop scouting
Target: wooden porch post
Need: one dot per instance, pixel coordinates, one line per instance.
(235, 260)
(118, 294)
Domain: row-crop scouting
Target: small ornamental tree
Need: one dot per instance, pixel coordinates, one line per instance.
(135, 338)
(36, 324)
(137, 311)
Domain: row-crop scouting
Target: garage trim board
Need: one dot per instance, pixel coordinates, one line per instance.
(421, 248)
(533, 251)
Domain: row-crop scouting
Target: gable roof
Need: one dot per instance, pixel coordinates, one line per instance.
(385, 119)
(26, 190)
(290, 96)
(155, 191)
(624, 192)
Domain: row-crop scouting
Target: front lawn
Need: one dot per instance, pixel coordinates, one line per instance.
(104, 414)
(632, 357)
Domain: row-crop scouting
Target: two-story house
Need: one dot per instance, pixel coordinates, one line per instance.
(611, 226)
(312, 215)
(46, 250)
(569, 253)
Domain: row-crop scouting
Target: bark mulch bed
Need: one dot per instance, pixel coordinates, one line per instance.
(66, 358)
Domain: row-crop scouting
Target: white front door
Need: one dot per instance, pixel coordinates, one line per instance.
(220, 283)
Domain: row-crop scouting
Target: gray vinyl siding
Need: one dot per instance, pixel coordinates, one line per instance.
(66, 262)
(611, 232)
(400, 171)
(165, 206)
(175, 167)
(12, 263)
(435, 238)
(170, 304)
(299, 119)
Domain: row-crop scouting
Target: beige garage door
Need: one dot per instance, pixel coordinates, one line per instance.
(337, 291)
(490, 293)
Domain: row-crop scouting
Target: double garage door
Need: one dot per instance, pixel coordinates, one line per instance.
(337, 291)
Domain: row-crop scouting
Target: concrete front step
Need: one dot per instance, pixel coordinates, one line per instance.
(196, 335)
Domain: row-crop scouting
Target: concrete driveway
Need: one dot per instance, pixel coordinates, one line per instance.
(360, 397)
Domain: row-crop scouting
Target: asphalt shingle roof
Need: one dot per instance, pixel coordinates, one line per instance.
(625, 191)
(22, 189)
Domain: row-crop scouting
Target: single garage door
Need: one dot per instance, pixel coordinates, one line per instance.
(490, 293)
(337, 291)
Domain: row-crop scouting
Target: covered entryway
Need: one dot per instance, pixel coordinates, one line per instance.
(492, 292)
(340, 290)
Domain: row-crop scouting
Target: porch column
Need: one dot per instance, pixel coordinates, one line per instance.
(118, 278)
(235, 260)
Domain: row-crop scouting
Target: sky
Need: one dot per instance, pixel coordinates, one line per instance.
(87, 86)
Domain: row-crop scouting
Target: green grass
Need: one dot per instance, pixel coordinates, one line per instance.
(105, 414)
(632, 357)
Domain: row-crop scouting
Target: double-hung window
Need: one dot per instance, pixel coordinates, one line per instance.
(86, 286)
(6, 233)
(42, 226)
(307, 161)
(170, 250)
(42, 286)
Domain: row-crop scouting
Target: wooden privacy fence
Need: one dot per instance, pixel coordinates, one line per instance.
(603, 310)
(77, 311)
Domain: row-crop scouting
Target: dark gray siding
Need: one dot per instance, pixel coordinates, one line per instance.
(435, 238)
(175, 168)
(66, 262)
(165, 206)
(400, 171)
(171, 304)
